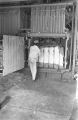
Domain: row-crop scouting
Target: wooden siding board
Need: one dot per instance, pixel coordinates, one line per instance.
(0, 24)
(43, 19)
(51, 20)
(59, 21)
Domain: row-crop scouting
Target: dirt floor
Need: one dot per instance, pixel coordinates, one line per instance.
(47, 98)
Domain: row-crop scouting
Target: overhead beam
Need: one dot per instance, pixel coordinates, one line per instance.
(75, 35)
(38, 5)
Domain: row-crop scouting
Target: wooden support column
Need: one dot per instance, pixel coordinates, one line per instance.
(74, 114)
(75, 35)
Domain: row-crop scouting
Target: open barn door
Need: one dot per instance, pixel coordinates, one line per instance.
(13, 53)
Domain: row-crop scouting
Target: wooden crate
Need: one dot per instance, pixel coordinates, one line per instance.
(12, 53)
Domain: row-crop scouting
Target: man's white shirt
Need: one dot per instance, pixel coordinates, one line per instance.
(34, 53)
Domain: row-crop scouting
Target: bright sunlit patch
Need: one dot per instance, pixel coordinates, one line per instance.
(77, 88)
(76, 77)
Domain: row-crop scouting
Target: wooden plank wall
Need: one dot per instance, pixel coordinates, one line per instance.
(9, 21)
(48, 19)
(13, 53)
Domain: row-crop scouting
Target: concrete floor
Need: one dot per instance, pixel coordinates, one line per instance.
(47, 98)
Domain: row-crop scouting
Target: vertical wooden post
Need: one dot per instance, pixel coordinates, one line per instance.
(75, 34)
(74, 114)
(65, 52)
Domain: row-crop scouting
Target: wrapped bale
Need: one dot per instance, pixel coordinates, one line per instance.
(51, 59)
(56, 57)
(41, 59)
(61, 56)
(46, 56)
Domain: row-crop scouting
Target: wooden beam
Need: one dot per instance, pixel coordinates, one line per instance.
(75, 35)
(38, 5)
(54, 35)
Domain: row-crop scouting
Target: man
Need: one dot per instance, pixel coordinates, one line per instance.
(33, 58)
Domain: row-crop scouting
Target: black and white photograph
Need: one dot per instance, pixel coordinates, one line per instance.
(38, 59)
